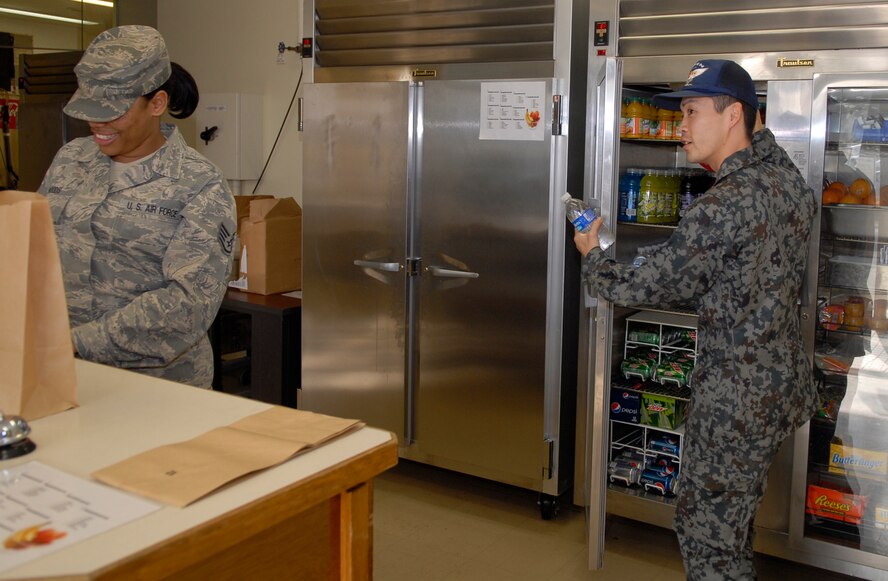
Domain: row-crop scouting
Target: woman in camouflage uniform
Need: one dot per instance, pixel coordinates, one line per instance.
(145, 224)
(738, 257)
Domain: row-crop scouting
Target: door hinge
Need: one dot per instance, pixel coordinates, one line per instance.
(556, 114)
(412, 266)
(548, 458)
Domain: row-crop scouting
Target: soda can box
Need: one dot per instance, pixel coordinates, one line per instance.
(858, 462)
(835, 504)
(663, 411)
(625, 405)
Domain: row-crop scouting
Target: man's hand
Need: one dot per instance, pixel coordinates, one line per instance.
(585, 242)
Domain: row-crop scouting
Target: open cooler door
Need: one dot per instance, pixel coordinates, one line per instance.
(600, 180)
(840, 485)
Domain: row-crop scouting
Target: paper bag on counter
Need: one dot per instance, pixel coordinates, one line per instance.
(179, 474)
(37, 376)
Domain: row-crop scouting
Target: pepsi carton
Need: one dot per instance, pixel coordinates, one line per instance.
(625, 405)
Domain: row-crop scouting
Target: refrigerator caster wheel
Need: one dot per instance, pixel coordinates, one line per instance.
(548, 506)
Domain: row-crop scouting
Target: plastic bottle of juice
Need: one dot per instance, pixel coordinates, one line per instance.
(647, 198)
(688, 194)
(664, 124)
(629, 196)
(634, 113)
(635, 176)
(677, 117)
(664, 193)
(624, 120)
(655, 121)
(675, 191)
(646, 119)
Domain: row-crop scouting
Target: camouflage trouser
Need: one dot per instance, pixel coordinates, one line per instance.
(717, 504)
(715, 531)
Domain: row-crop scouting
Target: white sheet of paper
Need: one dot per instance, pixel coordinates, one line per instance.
(66, 508)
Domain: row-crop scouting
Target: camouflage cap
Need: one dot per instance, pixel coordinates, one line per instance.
(119, 66)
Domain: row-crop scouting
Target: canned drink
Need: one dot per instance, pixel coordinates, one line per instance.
(655, 482)
(626, 475)
(665, 444)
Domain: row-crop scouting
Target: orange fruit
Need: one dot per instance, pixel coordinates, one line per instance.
(831, 196)
(850, 199)
(841, 186)
(883, 196)
(861, 187)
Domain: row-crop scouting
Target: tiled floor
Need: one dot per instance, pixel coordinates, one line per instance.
(432, 525)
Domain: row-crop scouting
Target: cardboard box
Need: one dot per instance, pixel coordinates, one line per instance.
(625, 405)
(663, 411)
(242, 204)
(857, 461)
(835, 504)
(271, 247)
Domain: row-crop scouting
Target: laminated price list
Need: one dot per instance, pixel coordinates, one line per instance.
(43, 510)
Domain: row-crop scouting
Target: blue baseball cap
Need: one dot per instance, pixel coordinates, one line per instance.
(709, 78)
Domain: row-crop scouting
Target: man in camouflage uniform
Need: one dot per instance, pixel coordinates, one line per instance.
(738, 257)
(144, 223)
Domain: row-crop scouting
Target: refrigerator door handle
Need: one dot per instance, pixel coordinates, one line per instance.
(448, 273)
(386, 266)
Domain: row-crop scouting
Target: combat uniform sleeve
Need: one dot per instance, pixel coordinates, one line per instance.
(675, 273)
(161, 324)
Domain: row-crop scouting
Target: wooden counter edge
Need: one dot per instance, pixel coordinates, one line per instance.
(348, 480)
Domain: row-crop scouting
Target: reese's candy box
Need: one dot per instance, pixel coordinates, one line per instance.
(835, 504)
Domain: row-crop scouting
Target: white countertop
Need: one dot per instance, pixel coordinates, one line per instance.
(123, 413)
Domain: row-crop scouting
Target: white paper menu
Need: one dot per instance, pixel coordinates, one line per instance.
(43, 510)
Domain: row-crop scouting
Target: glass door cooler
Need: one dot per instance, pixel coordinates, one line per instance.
(841, 468)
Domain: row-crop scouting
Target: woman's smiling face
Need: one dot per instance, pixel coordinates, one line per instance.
(135, 134)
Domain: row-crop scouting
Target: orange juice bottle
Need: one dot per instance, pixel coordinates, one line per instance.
(624, 120)
(646, 119)
(677, 117)
(634, 114)
(664, 124)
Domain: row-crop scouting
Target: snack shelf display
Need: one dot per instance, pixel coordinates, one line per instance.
(649, 401)
(846, 487)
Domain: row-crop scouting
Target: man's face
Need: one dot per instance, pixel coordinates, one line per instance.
(704, 130)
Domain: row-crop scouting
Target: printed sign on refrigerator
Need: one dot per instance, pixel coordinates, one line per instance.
(513, 111)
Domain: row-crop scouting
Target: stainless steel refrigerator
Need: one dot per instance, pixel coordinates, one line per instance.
(434, 256)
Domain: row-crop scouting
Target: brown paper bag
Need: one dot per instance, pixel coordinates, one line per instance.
(37, 376)
(178, 474)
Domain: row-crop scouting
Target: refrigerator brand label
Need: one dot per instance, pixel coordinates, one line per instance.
(425, 73)
(782, 62)
(857, 461)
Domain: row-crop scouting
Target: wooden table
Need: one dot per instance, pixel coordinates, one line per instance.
(308, 518)
(276, 344)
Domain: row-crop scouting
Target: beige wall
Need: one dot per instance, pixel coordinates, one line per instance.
(230, 46)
